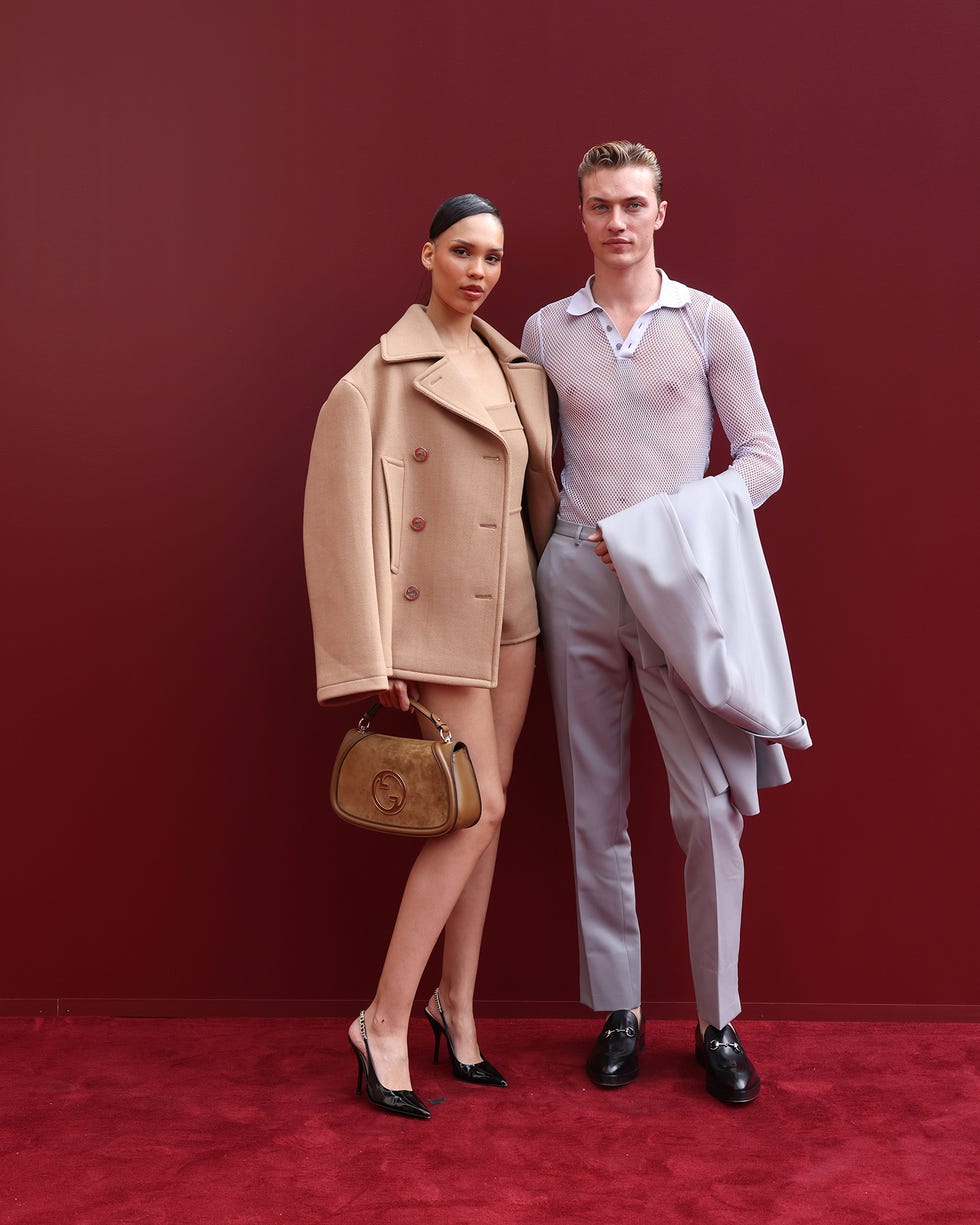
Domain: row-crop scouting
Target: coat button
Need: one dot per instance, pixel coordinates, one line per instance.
(418, 523)
(412, 593)
(421, 454)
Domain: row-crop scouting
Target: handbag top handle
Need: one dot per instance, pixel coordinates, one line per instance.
(445, 735)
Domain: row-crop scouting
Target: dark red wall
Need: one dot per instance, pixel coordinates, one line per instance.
(210, 210)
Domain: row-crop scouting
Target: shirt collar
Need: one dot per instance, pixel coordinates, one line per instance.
(672, 293)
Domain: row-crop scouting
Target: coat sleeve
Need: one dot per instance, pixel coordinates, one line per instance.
(339, 551)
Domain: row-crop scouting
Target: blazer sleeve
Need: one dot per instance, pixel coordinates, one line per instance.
(339, 551)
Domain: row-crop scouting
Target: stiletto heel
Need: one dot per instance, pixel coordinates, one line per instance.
(437, 1030)
(482, 1073)
(395, 1101)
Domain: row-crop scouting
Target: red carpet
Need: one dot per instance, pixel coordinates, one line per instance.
(247, 1121)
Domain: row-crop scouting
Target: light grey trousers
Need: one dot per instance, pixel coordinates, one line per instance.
(592, 649)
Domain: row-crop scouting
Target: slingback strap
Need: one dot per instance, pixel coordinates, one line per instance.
(445, 735)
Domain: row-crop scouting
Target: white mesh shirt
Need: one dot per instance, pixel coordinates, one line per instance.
(637, 414)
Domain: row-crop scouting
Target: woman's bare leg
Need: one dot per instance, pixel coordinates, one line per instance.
(464, 929)
(442, 869)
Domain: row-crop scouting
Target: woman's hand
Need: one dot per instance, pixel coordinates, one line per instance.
(397, 694)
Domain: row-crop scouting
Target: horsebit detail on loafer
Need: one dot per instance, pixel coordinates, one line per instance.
(713, 1045)
(629, 1031)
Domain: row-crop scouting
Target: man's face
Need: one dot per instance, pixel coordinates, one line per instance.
(620, 215)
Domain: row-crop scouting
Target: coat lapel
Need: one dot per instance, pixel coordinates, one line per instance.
(413, 339)
(444, 384)
(529, 385)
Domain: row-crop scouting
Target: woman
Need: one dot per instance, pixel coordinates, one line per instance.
(429, 458)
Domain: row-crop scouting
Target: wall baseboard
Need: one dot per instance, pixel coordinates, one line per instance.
(665, 1010)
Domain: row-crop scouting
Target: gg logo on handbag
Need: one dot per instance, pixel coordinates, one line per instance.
(389, 792)
(405, 785)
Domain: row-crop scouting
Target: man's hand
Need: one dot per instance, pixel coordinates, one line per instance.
(601, 549)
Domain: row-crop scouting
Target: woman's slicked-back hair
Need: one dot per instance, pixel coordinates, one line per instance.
(455, 209)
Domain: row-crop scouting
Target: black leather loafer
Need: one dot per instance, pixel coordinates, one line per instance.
(615, 1059)
(729, 1074)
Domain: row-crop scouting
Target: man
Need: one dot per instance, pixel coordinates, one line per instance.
(640, 365)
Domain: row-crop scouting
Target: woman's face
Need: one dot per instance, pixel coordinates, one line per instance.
(465, 263)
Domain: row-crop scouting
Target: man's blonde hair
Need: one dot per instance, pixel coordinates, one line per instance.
(616, 153)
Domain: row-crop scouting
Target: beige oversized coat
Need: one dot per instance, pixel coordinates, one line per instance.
(406, 514)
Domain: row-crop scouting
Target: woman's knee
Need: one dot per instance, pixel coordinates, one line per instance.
(492, 812)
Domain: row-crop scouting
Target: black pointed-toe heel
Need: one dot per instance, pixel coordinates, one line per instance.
(395, 1101)
(482, 1073)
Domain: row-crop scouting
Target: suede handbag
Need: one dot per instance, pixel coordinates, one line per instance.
(404, 785)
